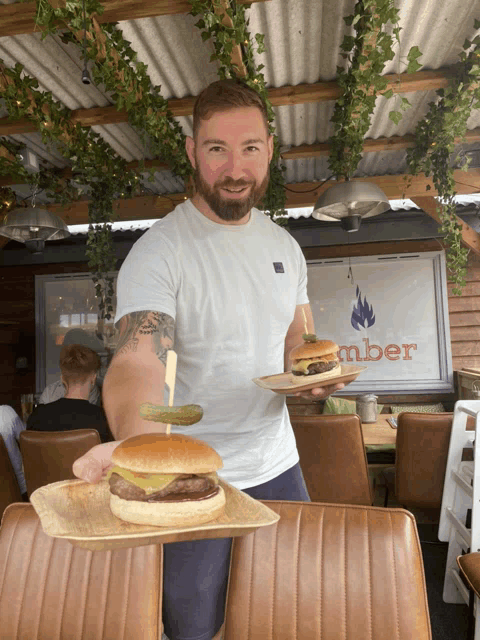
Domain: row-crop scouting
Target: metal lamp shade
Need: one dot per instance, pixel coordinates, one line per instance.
(33, 223)
(349, 199)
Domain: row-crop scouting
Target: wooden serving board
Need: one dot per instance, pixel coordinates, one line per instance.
(80, 512)
(280, 382)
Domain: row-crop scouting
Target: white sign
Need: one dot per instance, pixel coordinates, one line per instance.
(388, 313)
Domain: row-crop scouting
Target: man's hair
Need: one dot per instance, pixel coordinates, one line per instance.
(224, 95)
(77, 363)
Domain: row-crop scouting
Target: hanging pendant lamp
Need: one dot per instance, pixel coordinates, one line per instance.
(348, 202)
(33, 226)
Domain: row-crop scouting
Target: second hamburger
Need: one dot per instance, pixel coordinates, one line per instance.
(165, 480)
(314, 361)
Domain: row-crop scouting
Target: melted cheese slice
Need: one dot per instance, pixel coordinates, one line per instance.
(302, 365)
(152, 482)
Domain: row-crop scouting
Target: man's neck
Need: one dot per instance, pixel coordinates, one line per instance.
(78, 393)
(205, 210)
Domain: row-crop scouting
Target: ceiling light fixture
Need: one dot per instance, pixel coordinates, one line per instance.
(348, 202)
(85, 75)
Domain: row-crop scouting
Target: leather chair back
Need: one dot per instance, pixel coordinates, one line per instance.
(52, 589)
(422, 446)
(9, 489)
(48, 456)
(329, 572)
(332, 458)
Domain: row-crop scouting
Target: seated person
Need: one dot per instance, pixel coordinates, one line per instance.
(10, 427)
(56, 390)
(79, 366)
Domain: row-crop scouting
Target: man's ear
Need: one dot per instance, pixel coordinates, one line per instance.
(270, 148)
(190, 148)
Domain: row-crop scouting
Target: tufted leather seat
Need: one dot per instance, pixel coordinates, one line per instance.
(329, 572)
(48, 456)
(9, 489)
(332, 458)
(51, 589)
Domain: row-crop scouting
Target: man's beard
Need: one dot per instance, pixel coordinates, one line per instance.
(230, 209)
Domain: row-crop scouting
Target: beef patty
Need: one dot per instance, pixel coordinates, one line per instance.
(184, 484)
(318, 367)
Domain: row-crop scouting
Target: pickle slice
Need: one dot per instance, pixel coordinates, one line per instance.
(183, 416)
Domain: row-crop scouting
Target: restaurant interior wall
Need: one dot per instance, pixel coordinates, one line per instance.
(17, 312)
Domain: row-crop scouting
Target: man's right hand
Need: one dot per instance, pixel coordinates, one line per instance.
(92, 466)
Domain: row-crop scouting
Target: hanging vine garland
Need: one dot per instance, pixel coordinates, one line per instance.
(117, 67)
(435, 137)
(92, 160)
(366, 53)
(224, 38)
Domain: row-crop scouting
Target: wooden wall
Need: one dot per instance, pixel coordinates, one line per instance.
(464, 312)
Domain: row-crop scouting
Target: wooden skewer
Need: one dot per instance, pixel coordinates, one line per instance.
(170, 376)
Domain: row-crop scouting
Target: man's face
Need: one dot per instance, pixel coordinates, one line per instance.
(231, 157)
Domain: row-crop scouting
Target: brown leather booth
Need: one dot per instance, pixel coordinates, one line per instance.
(332, 458)
(9, 489)
(323, 572)
(52, 589)
(48, 456)
(329, 572)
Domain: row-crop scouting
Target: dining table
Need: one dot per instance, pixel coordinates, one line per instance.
(379, 432)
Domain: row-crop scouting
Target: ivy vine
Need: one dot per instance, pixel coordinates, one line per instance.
(435, 138)
(366, 53)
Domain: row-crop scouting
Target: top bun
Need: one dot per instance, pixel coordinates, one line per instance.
(313, 349)
(162, 453)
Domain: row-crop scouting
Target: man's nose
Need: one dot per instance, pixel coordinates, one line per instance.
(234, 167)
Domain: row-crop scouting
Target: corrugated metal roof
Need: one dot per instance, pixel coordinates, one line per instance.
(302, 39)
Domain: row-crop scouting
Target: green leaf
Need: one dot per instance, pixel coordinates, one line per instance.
(395, 116)
(476, 24)
(467, 44)
(388, 94)
(413, 66)
(414, 53)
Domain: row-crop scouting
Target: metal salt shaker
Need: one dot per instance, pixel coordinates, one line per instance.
(366, 407)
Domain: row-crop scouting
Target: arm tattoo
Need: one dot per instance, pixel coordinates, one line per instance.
(138, 323)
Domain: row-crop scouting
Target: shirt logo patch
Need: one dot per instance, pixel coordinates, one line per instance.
(278, 266)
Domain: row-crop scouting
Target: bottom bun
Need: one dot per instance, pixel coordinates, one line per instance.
(316, 377)
(169, 513)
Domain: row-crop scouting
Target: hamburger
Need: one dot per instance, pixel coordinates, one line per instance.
(165, 480)
(314, 360)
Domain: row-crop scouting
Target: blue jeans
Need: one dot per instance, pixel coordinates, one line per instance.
(196, 573)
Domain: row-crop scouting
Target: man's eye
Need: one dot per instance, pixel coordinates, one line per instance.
(216, 149)
(252, 148)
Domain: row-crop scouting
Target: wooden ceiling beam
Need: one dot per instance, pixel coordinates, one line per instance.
(470, 238)
(298, 195)
(395, 143)
(19, 18)
(300, 94)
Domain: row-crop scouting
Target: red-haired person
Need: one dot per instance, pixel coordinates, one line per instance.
(79, 366)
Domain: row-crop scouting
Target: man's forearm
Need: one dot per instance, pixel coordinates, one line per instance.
(289, 344)
(125, 388)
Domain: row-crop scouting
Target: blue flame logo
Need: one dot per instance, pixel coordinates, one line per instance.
(362, 314)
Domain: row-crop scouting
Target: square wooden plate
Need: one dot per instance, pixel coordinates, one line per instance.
(280, 382)
(80, 512)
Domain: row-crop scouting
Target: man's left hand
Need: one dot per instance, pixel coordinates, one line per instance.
(319, 393)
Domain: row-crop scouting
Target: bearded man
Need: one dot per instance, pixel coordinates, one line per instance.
(225, 287)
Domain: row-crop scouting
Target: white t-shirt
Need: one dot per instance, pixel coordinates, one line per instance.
(232, 290)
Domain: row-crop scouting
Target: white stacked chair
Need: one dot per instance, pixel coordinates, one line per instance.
(461, 492)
